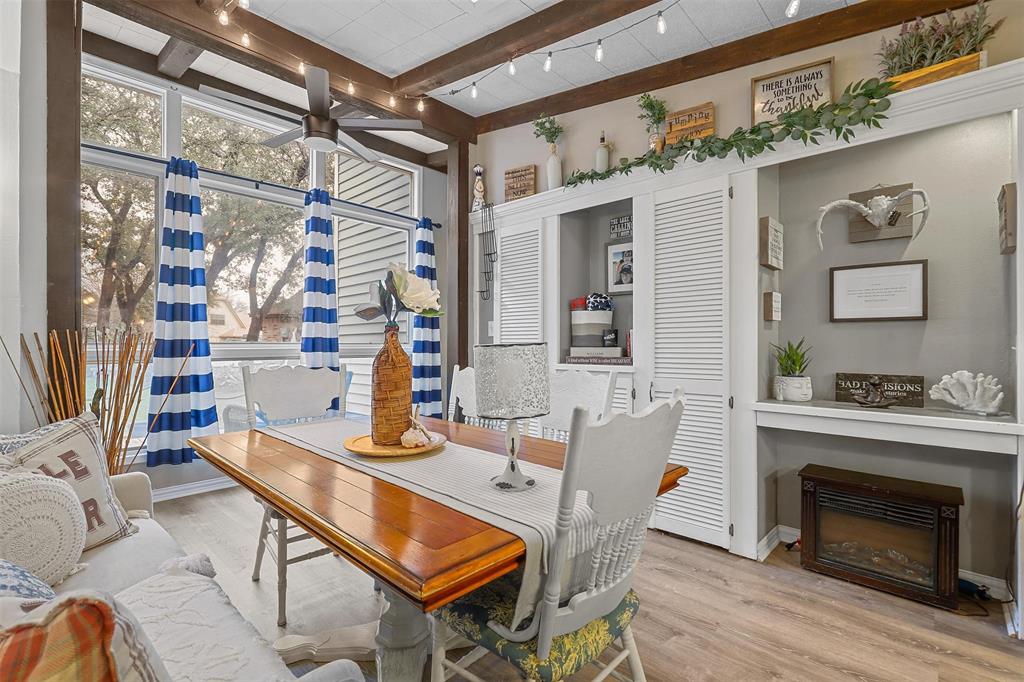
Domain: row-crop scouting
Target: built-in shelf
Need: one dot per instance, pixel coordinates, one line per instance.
(924, 426)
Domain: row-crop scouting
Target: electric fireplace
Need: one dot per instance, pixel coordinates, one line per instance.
(892, 534)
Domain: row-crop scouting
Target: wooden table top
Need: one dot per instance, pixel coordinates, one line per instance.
(428, 551)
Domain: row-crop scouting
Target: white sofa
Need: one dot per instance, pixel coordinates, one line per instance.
(194, 627)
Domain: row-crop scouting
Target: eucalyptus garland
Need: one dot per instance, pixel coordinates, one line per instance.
(861, 104)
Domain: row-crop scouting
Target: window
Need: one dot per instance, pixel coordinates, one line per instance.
(227, 145)
(120, 116)
(118, 233)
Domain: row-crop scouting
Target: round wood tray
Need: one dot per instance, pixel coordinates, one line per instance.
(364, 445)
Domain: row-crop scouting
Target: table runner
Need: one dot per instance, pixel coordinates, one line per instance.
(458, 476)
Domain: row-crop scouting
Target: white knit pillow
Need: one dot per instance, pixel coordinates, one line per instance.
(42, 525)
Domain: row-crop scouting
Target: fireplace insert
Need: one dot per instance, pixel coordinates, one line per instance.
(893, 534)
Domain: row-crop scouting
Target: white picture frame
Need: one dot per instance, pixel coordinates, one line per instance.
(619, 266)
(879, 291)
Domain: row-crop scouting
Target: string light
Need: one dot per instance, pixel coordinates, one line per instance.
(245, 39)
(792, 8)
(662, 26)
(511, 67)
(599, 52)
(223, 18)
(547, 63)
(391, 101)
(244, 4)
(419, 105)
(351, 88)
(302, 67)
(472, 91)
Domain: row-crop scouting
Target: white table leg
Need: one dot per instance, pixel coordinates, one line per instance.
(403, 640)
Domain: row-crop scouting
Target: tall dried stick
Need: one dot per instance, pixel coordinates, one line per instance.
(22, 382)
(170, 391)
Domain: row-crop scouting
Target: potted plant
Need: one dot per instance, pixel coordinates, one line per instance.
(791, 383)
(926, 52)
(653, 112)
(548, 128)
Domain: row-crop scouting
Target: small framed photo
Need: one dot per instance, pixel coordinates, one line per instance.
(619, 266)
(879, 291)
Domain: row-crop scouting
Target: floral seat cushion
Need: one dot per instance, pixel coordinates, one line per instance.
(570, 652)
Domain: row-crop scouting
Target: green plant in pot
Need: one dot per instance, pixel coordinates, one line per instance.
(550, 129)
(791, 383)
(653, 112)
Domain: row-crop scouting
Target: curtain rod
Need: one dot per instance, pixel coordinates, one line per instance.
(257, 183)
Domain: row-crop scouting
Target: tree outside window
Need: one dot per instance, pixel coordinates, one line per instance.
(119, 116)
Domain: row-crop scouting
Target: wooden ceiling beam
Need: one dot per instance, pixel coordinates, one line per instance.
(546, 27)
(278, 52)
(144, 62)
(176, 57)
(848, 22)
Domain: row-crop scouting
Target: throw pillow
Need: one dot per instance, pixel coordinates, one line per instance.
(74, 452)
(20, 592)
(15, 441)
(83, 635)
(42, 526)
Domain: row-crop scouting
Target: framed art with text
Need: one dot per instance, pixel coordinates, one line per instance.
(879, 291)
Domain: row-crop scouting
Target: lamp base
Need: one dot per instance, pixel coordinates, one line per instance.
(512, 479)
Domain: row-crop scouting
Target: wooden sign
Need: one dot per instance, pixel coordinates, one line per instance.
(772, 306)
(770, 238)
(906, 389)
(520, 182)
(863, 231)
(805, 86)
(695, 122)
(1006, 203)
(620, 227)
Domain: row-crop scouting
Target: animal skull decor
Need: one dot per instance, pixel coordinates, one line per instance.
(880, 211)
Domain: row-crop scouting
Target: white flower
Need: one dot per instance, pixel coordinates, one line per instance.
(415, 293)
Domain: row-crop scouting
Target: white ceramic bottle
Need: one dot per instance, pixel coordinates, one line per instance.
(554, 168)
(601, 158)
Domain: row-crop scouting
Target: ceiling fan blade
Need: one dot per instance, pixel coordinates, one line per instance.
(380, 124)
(357, 147)
(344, 109)
(252, 104)
(283, 138)
(318, 91)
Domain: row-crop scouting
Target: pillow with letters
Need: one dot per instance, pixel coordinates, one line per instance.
(74, 453)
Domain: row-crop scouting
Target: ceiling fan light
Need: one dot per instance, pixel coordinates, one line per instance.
(792, 8)
(547, 63)
(662, 26)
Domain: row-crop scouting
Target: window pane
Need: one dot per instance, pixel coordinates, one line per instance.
(226, 145)
(120, 116)
(254, 268)
(118, 231)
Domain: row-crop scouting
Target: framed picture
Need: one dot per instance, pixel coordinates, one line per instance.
(770, 242)
(619, 266)
(879, 291)
(804, 86)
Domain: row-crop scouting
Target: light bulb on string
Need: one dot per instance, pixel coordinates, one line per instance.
(244, 4)
(351, 88)
(547, 62)
(662, 26)
(223, 18)
(419, 105)
(245, 39)
(511, 67)
(391, 101)
(792, 8)
(472, 91)
(302, 67)
(599, 52)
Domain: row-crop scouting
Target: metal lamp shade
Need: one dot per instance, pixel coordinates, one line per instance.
(512, 380)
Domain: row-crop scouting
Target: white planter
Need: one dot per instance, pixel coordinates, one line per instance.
(588, 325)
(793, 389)
(554, 168)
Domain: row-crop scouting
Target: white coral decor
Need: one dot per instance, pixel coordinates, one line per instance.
(979, 393)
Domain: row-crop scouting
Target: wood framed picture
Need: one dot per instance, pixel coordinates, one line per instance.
(695, 122)
(770, 242)
(619, 266)
(803, 86)
(520, 182)
(772, 306)
(1006, 205)
(879, 291)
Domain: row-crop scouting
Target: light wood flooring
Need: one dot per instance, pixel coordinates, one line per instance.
(705, 614)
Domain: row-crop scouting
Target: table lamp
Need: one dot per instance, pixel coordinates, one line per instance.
(512, 384)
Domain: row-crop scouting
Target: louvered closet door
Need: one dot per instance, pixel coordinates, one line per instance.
(690, 350)
(518, 291)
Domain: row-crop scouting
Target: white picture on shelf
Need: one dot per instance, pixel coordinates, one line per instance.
(619, 262)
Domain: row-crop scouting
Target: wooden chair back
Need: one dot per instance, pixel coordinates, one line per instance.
(286, 393)
(462, 400)
(593, 391)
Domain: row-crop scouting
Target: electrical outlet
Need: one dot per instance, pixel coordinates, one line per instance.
(490, 328)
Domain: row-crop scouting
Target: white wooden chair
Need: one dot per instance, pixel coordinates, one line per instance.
(288, 395)
(462, 400)
(593, 391)
(619, 462)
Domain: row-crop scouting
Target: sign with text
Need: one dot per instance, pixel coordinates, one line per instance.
(805, 86)
(906, 389)
(770, 242)
(695, 122)
(620, 227)
(520, 182)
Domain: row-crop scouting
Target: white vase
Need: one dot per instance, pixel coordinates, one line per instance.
(794, 389)
(602, 156)
(554, 168)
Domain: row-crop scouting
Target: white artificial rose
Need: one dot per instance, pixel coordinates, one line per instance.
(414, 292)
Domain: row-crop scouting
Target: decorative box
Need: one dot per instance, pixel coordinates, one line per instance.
(588, 327)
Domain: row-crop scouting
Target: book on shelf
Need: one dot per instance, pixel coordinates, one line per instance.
(595, 352)
(597, 361)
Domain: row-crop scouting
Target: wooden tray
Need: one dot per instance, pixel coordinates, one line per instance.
(364, 445)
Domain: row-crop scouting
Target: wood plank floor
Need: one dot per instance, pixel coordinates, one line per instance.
(705, 614)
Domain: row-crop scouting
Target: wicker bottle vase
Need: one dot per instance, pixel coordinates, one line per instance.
(391, 403)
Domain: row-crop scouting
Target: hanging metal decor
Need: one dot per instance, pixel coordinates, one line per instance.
(488, 251)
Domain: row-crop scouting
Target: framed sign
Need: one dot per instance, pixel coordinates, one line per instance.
(619, 266)
(520, 182)
(906, 389)
(695, 122)
(621, 227)
(1006, 205)
(770, 238)
(805, 86)
(772, 306)
(879, 291)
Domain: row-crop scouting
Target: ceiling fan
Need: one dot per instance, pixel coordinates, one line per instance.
(324, 127)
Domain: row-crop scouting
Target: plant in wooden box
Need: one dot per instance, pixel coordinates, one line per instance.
(550, 129)
(391, 387)
(926, 52)
(653, 112)
(791, 383)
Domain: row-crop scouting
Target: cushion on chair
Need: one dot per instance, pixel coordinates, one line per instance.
(570, 652)
(20, 592)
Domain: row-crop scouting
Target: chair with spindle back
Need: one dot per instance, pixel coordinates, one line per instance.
(289, 395)
(462, 400)
(576, 388)
(619, 462)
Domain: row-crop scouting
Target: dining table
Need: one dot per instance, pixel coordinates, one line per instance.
(421, 553)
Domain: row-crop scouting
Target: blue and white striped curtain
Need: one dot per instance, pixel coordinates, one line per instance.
(426, 331)
(180, 325)
(319, 297)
